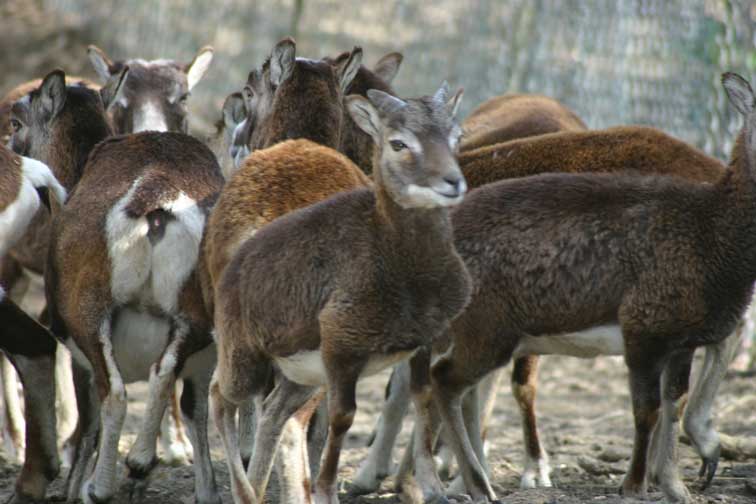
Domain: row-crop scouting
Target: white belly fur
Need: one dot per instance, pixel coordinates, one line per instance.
(307, 368)
(138, 341)
(599, 340)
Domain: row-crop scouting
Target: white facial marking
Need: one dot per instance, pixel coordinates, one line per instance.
(149, 118)
(424, 197)
(599, 340)
(153, 274)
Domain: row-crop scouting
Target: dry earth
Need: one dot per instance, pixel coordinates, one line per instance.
(584, 409)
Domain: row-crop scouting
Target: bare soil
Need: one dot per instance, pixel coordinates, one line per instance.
(584, 410)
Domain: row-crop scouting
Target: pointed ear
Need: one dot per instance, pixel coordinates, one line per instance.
(365, 115)
(111, 92)
(282, 61)
(347, 69)
(739, 92)
(384, 102)
(52, 93)
(101, 63)
(248, 96)
(197, 68)
(442, 94)
(452, 106)
(234, 110)
(388, 66)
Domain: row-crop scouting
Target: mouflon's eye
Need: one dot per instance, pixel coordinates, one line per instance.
(15, 124)
(397, 145)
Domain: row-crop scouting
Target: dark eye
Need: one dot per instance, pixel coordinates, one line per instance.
(15, 124)
(184, 99)
(398, 145)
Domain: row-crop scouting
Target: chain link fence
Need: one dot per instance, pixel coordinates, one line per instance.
(655, 62)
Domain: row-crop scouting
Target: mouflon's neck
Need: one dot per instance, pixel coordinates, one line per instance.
(422, 234)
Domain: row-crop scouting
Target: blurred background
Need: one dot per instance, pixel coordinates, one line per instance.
(655, 62)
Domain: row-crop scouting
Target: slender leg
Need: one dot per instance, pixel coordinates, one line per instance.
(422, 397)
(247, 426)
(524, 387)
(194, 406)
(377, 464)
(65, 396)
(286, 399)
(697, 422)
(471, 416)
(84, 438)
(224, 412)
(450, 380)
(664, 469)
(644, 391)
(101, 485)
(41, 464)
(177, 450)
(317, 435)
(341, 408)
(13, 432)
(142, 456)
(292, 464)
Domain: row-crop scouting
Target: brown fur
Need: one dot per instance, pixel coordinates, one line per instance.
(355, 143)
(511, 116)
(10, 177)
(372, 279)
(638, 149)
(670, 261)
(272, 182)
(22, 90)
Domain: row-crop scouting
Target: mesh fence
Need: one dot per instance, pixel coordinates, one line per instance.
(653, 62)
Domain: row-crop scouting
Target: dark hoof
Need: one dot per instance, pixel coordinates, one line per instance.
(95, 499)
(355, 490)
(139, 471)
(708, 470)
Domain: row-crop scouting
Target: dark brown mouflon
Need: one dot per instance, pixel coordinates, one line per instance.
(124, 249)
(668, 262)
(377, 278)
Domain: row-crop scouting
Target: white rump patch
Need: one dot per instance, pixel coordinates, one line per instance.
(599, 340)
(149, 118)
(307, 368)
(15, 218)
(147, 274)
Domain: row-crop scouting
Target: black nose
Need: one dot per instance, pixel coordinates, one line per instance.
(454, 182)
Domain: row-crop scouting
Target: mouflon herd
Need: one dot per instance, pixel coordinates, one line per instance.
(329, 230)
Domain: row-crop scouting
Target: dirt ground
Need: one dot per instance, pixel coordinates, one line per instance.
(584, 410)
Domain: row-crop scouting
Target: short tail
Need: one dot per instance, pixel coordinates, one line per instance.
(40, 175)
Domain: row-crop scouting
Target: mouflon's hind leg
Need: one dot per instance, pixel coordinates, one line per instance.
(377, 464)
(664, 456)
(286, 399)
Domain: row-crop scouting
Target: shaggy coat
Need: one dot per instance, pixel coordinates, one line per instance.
(668, 262)
(273, 182)
(638, 149)
(512, 116)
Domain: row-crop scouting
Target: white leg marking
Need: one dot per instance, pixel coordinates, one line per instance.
(113, 414)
